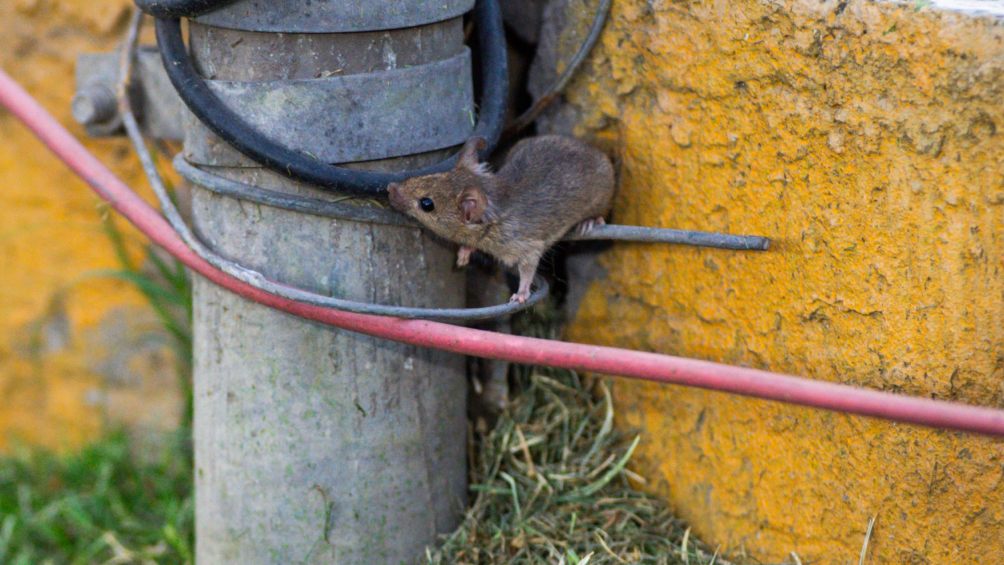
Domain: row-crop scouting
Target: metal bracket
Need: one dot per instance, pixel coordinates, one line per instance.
(333, 16)
(344, 119)
(161, 112)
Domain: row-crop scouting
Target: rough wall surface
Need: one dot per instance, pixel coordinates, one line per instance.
(76, 349)
(866, 140)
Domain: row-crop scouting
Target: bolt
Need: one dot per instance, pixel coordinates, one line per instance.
(94, 104)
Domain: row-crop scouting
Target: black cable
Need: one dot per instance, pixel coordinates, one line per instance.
(234, 130)
(180, 8)
(554, 90)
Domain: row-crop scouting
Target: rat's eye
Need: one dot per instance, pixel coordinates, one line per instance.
(426, 204)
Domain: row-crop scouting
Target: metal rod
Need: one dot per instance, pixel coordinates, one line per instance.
(666, 235)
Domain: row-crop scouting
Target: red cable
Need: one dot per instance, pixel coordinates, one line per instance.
(532, 351)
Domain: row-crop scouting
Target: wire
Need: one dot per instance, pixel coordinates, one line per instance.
(468, 341)
(233, 129)
(255, 278)
(293, 202)
(552, 92)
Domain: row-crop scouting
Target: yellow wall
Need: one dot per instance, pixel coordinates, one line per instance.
(866, 139)
(75, 350)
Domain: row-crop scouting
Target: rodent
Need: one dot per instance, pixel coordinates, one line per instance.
(547, 185)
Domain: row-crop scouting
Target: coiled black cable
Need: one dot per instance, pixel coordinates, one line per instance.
(230, 127)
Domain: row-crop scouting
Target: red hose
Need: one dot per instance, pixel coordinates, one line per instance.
(533, 351)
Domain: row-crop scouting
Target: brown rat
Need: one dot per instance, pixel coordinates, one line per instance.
(547, 186)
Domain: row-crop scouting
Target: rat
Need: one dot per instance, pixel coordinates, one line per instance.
(547, 186)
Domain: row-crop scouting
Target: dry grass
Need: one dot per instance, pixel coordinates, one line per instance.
(551, 486)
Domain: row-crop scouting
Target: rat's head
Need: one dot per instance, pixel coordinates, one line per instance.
(451, 201)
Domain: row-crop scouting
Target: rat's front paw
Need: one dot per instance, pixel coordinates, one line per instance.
(520, 297)
(464, 255)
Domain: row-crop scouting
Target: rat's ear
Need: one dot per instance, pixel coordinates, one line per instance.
(468, 156)
(473, 205)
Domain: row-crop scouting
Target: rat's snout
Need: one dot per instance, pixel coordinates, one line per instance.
(395, 196)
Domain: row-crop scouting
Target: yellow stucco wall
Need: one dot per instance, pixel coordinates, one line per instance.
(75, 350)
(867, 140)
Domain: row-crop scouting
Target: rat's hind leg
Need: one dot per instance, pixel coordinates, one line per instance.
(527, 268)
(585, 226)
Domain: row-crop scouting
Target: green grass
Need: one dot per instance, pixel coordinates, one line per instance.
(99, 505)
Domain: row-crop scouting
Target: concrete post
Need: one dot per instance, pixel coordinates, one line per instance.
(314, 444)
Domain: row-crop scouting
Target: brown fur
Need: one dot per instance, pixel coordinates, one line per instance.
(548, 185)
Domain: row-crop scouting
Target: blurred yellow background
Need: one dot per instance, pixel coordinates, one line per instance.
(78, 349)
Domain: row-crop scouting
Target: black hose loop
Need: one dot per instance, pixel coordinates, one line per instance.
(230, 127)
